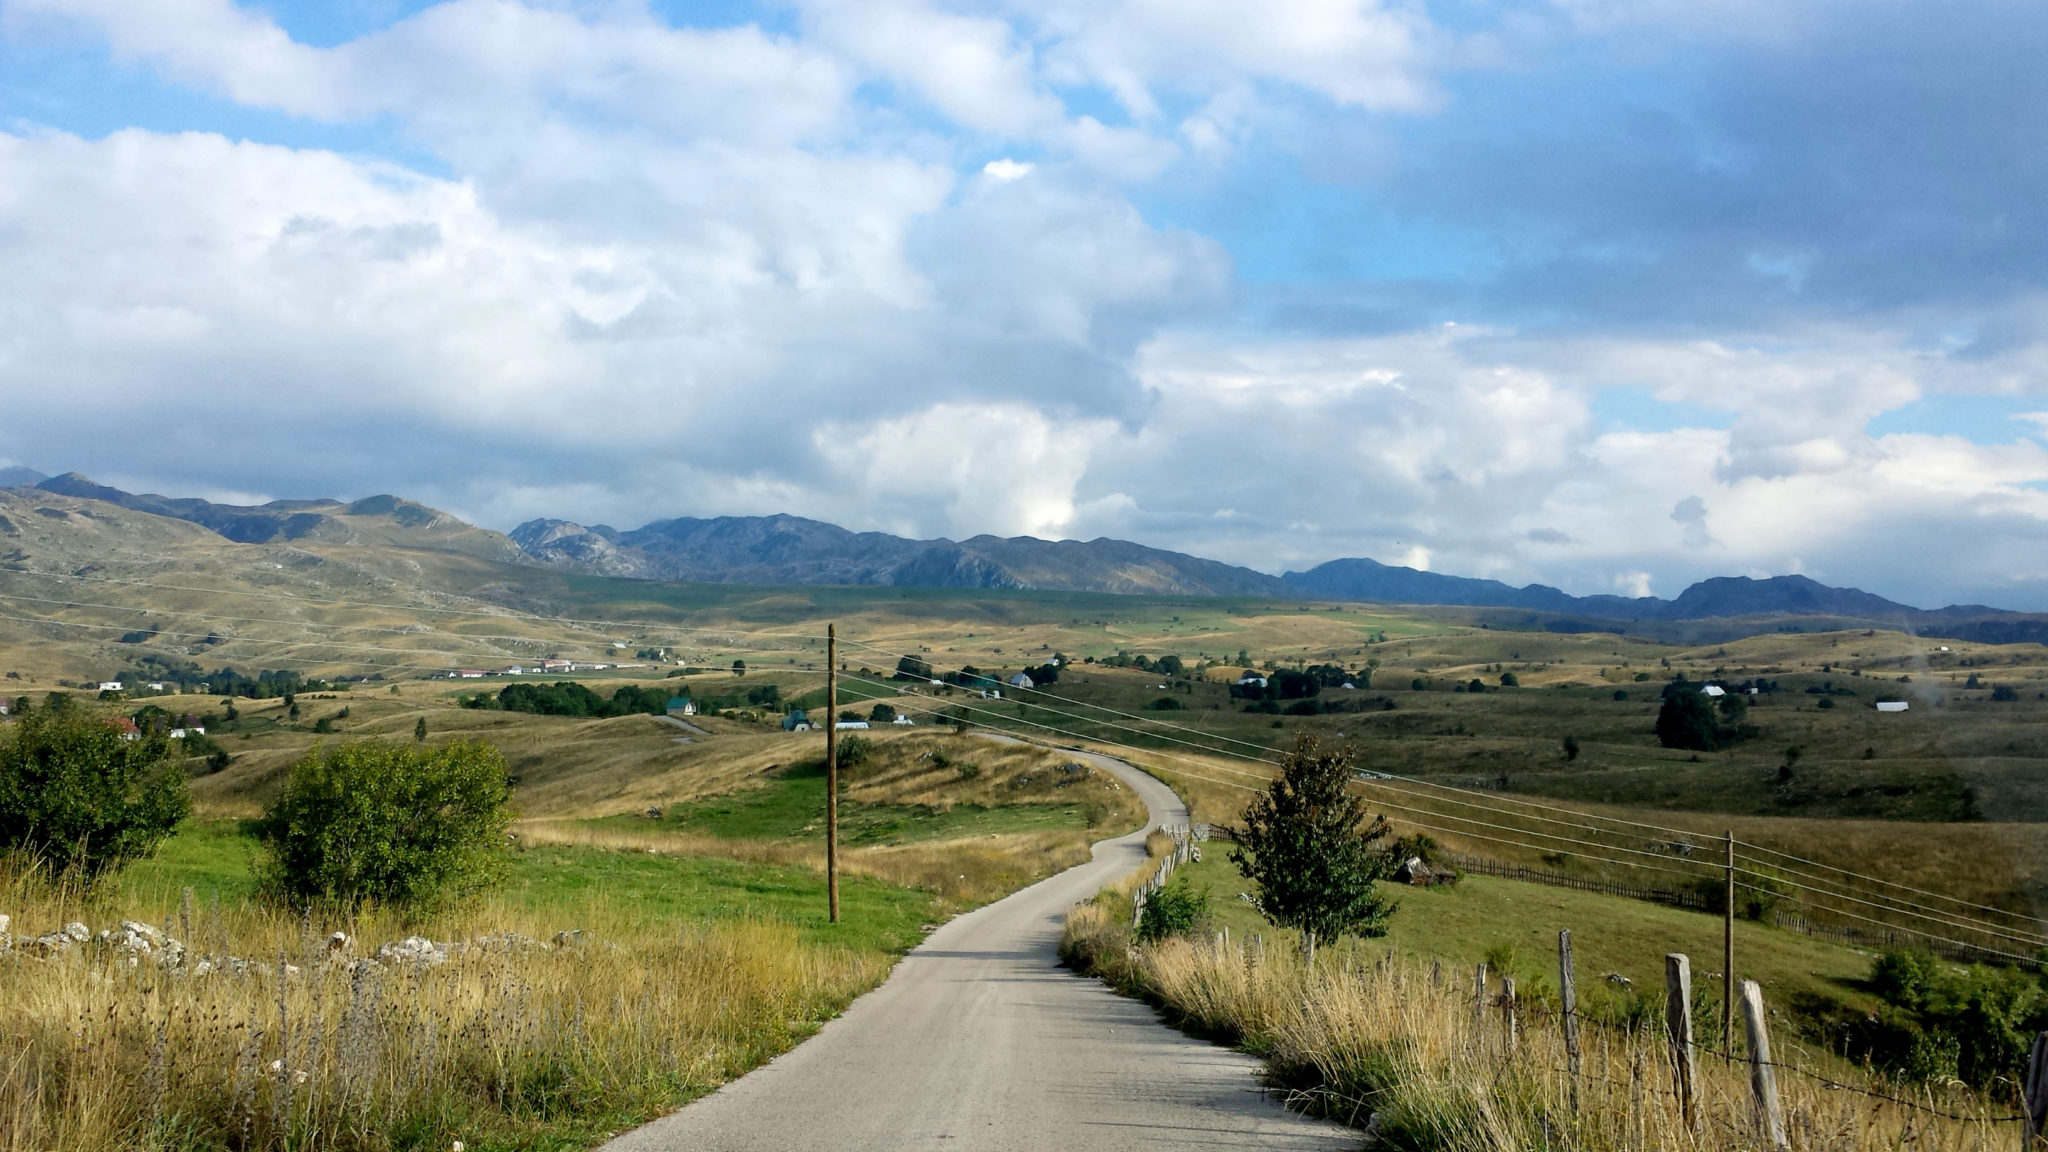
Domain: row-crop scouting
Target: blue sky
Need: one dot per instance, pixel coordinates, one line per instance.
(1608, 295)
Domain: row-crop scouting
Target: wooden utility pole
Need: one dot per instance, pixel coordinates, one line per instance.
(832, 770)
(1728, 961)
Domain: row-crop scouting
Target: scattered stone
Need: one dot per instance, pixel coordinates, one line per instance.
(339, 942)
(78, 933)
(1620, 981)
(569, 938)
(412, 950)
(507, 942)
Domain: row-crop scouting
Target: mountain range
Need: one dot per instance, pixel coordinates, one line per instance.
(791, 550)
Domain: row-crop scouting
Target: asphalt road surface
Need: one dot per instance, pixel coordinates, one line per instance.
(980, 1042)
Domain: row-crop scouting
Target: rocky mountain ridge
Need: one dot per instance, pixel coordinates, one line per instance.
(793, 550)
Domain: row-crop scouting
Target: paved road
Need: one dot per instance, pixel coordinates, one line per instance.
(980, 1042)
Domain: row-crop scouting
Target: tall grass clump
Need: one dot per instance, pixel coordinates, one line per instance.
(1399, 1047)
(516, 1039)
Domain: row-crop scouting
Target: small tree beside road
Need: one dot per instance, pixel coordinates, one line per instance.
(1314, 851)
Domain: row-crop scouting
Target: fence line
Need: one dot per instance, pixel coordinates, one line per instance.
(1705, 902)
(1187, 847)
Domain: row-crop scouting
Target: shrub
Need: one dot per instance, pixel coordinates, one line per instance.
(855, 751)
(80, 798)
(1507, 680)
(398, 824)
(881, 714)
(2005, 693)
(1165, 704)
(1175, 910)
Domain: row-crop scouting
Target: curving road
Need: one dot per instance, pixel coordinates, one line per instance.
(980, 1042)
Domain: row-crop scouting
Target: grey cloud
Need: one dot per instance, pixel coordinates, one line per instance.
(1690, 514)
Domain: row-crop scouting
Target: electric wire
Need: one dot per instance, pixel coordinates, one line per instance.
(1877, 880)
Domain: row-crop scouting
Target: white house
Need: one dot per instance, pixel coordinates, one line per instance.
(110, 685)
(1891, 705)
(1714, 690)
(903, 720)
(181, 733)
(850, 725)
(1020, 680)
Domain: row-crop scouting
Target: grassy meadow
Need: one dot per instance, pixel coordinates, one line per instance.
(1402, 1047)
(698, 943)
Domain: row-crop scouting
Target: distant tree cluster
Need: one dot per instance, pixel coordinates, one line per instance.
(568, 698)
(1689, 718)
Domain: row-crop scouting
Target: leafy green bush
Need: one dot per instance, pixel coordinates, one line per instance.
(397, 824)
(79, 796)
(1175, 910)
(1939, 1021)
(1166, 704)
(855, 751)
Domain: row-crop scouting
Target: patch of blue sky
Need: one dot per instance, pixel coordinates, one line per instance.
(1282, 227)
(777, 19)
(1637, 410)
(77, 89)
(326, 23)
(1976, 418)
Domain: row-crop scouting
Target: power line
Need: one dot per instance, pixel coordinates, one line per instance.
(1898, 928)
(1877, 880)
(1766, 878)
(1583, 816)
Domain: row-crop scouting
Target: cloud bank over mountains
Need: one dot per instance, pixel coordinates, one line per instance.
(1607, 296)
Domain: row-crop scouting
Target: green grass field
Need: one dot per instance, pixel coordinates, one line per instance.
(1481, 916)
(561, 884)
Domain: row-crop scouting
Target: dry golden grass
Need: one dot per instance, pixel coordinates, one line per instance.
(960, 872)
(503, 1047)
(1998, 865)
(1397, 1043)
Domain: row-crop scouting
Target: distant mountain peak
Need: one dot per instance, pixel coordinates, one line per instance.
(788, 549)
(15, 476)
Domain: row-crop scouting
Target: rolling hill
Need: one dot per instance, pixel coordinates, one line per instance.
(785, 550)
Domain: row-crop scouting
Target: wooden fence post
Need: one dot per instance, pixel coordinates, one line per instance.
(1568, 996)
(2037, 1092)
(1763, 1078)
(1678, 1017)
(1479, 998)
(1507, 1013)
